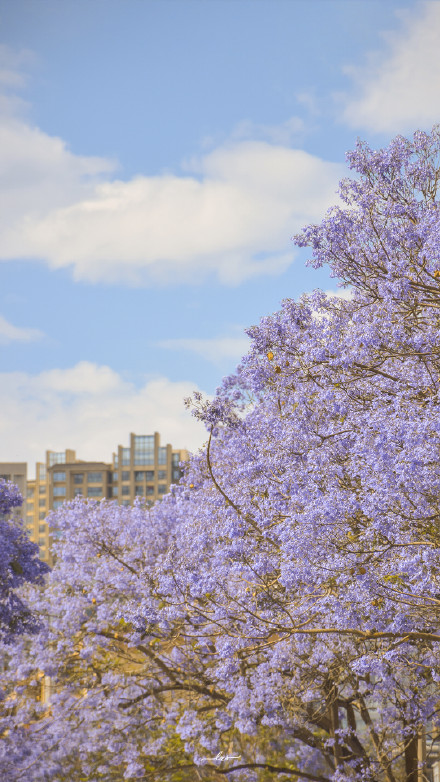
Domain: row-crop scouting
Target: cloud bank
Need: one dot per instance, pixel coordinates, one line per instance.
(10, 333)
(213, 349)
(229, 212)
(89, 408)
(399, 91)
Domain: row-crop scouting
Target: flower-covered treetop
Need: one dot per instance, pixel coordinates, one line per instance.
(19, 563)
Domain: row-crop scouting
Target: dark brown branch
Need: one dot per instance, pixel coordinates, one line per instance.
(273, 769)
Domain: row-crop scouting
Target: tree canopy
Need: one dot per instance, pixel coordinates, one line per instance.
(281, 605)
(19, 564)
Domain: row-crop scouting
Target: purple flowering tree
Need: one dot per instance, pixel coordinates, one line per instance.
(19, 564)
(281, 606)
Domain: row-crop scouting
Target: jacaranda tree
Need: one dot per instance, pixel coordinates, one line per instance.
(19, 564)
(281, 606)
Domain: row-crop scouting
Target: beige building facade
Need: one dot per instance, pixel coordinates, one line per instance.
(37, 499)
(143, 469)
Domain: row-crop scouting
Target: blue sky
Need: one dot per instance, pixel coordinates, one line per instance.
(156, 158)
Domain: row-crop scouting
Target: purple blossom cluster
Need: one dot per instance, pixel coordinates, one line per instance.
(277, 615)
(19, 564)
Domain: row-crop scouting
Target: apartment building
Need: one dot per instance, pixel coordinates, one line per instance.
(143, 469)
(38, 503)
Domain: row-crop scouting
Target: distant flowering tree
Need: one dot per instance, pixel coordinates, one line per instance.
(281, 606)
(19, 564)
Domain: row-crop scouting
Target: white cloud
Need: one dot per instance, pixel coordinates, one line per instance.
(10, 333)
(39, 173)
(13, 63)
(341, 293)
(399, 91)
(230, 212)
(233, 218)
(284, 134)
(91, 409)
(308, 99)
(215, 349)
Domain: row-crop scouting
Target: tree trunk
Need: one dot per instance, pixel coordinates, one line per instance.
(421, 755)
(334, 715)
(411, 760)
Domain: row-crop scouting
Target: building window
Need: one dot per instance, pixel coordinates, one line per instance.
(59, 491)
(57, 458)
(42, 528)
(143, 441)
(77, 491)
(150, 490)
(139, 491)
(59, 476)
(115, 460)
(161, 488)
(114, 491)
(162, 475)
(94, 477)
(41, 541)
(125, 456)
(30, 492)
(41, 490)
(144, 475)
(176, 473)
(115, 477)
(57, 503)
(144, 449)
(78, 477)
(125, 475)
(125, 490)
(126, 503)
(162, 455)
(5, 477)
(41, 472)
(42, 514)
(94, 491)
(30, 504)
(42, 503)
